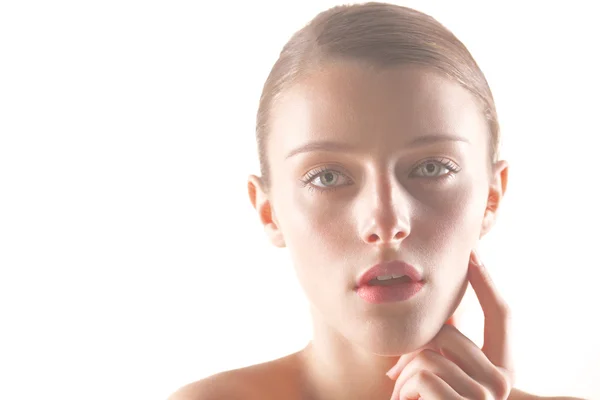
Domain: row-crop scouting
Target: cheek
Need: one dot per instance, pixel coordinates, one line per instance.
(446, 230)
(458, 216)
(319, 236)
(448, 236)
(443, 238)
(318, 219)
(309, 224)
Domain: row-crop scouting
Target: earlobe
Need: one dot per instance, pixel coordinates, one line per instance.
(262, 204)
(496, 192)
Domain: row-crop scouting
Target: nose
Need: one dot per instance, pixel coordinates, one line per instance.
(382, 237)
(386, 215)
(384, 231)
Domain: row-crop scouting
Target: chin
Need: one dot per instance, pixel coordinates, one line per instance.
(396, 339)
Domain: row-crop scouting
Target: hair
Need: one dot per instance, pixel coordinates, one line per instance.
(379, 34)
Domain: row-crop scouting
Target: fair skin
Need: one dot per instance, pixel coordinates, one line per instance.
(370, 165)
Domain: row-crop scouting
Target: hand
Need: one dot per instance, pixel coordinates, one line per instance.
(451, 366)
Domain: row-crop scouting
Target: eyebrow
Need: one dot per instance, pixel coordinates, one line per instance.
(327, 145)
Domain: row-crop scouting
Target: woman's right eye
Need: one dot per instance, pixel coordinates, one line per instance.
(325, 179)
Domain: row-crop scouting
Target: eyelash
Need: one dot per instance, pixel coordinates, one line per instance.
(311, 175)
(452, 167)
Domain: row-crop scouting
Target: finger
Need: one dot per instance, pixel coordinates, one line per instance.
(428, 386)
(449, 372)
(496, 334)
(395, 371)
(459, 349)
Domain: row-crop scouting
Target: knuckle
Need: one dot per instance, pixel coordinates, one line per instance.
(424, 376)
(505, 389)
(427, 359)
(479, 393)
(501, 387)
(428, 356)
(504, 310)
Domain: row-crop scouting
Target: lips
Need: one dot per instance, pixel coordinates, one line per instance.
(396, 268)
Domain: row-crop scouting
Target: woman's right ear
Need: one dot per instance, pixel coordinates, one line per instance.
(262, 204)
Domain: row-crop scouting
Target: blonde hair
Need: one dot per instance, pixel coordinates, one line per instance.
(379, 34)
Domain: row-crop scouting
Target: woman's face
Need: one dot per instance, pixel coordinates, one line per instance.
(371, 165)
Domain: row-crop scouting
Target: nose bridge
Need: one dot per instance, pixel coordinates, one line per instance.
(386, 214)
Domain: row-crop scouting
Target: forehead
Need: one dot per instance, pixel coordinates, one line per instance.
(373, 108)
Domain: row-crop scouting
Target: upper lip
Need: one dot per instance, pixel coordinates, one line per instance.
(395, 267)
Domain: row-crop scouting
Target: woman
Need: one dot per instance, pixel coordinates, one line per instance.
(378, 145)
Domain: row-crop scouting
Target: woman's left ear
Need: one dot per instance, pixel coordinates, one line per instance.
(496, 192)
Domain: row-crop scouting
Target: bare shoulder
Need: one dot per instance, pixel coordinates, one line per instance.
(224, 385)
(269, 380)
(517, 394)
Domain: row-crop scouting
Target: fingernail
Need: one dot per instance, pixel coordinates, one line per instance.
(394, 371)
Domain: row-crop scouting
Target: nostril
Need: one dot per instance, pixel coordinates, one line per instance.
(373, 238)
(398, 235)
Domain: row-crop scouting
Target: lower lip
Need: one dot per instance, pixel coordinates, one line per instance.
(388, 294)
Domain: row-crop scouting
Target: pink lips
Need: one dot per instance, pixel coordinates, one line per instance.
(389, 268)
(402, 290)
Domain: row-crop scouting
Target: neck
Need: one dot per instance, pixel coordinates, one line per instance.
(337, 369)
(334, 368)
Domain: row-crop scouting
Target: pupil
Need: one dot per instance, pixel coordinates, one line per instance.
(328, 177)
(430, 168)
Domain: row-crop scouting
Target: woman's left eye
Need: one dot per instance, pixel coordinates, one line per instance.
(435, 168)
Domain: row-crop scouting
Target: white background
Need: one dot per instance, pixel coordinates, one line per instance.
(131, 259)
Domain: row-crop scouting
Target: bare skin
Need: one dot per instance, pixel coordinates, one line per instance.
(408, 177)
(286, 378)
